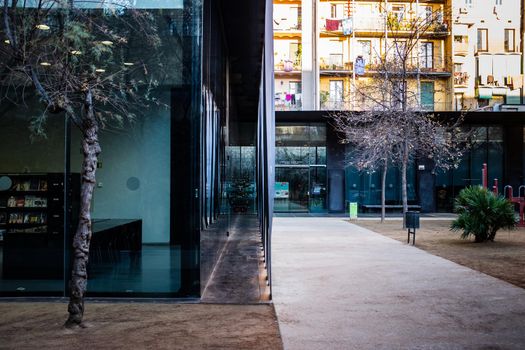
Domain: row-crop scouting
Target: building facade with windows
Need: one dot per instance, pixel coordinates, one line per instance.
(326, 50)
(487, 53)
(469, 59)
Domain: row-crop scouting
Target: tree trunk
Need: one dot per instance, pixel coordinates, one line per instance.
(383, 190)
(404, 193)
(91, 150)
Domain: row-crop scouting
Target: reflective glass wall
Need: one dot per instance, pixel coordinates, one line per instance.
(487, 147)
(31, 203)
(135, 250)
(364, 188)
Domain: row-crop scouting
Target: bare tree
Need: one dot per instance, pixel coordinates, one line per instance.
(392, 127)
(76, 57)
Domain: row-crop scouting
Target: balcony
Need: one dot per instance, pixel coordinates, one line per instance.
(288, 102)
(375, 25)
(287, 67)
(460, 48)
(331, 64)
(461, 79)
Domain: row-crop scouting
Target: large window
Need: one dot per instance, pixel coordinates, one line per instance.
(133, 250)
(510, 37)
(365, 50)
(336, 90)
(483, 43)
(427, 54)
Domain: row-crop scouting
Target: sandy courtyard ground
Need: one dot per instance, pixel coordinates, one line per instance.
(504, 258)
(140, 326)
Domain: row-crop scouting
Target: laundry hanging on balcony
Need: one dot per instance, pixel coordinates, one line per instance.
(348, 26)
(288, 66)
(333, 24)
(359, 65)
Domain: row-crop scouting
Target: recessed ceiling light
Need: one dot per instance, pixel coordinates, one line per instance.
(7, 41)
(42, 26)
(76, 52)
(100, 70)
(107, 42)
(46, 64)
(129, 63)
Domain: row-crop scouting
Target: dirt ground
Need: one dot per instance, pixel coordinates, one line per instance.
(140, 326)
(504, 258)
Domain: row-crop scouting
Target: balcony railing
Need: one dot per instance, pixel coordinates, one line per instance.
(368, 105)
(287, 66)
(288, 102)
(461, 78)
(326, 63)
(461, 48)
(287, 26)
(377, 24)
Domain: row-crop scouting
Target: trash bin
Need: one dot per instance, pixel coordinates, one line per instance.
(412, 219)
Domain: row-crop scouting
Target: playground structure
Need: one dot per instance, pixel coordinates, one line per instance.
(508, 193)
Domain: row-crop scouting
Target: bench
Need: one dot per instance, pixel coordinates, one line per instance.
(367, 207)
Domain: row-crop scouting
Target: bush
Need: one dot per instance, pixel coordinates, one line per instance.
(482, 214)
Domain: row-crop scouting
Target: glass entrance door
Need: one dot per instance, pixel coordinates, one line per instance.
(291, 189)
(300, 189)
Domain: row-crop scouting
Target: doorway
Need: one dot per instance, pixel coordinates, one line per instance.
(300, 188)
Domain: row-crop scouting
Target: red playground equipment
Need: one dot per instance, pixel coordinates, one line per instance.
(508, 192)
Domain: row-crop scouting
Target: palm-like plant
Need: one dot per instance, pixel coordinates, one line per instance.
(482, 214)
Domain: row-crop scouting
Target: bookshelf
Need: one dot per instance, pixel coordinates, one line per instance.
(32, 221)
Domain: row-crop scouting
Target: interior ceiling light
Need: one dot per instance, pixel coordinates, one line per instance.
(100, 70)
(46, 64)
(76, 52)
(107, 42)
(42, 26)
(7, 41)
(129, 63)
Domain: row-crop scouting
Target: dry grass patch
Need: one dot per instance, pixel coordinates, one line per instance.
(504, 258)
(140, 326)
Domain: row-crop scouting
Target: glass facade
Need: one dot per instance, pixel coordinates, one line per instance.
(300, 174)
(364, 188)
(168, 180)
(487, 147)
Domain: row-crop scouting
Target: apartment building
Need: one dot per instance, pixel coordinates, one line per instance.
(487, 53)
(469, 57)
(317, 43)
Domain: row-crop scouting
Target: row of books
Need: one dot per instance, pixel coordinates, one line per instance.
(33, 184)
(24, 202)
(37, 229)
(26, 218)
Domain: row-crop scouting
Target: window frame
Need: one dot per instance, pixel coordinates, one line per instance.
(507, 47)
(479, 47)
(424, 57)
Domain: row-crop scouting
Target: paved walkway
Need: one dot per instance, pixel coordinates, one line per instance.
(339, 286)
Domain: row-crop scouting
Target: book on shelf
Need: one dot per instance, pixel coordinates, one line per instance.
(36, 229)
(34, 218)
(3, 217)
(35, 202)
(16, 218)
(20, 202)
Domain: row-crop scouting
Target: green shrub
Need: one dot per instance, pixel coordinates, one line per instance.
(482, 214)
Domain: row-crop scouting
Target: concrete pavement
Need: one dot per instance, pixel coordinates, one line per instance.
(339, 286)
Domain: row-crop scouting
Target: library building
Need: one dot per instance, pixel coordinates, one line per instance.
(168, 183)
